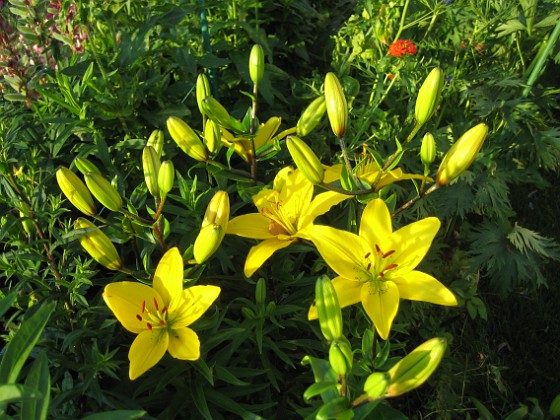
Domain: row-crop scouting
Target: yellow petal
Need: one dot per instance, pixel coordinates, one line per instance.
(376, 226)
(168, 278)
(343, 251)
(332, 173)
(184, 344)
(252, 225)
(420, 286)
(262, 252)
(296, 194)
(411, 242)
(126, 300)
(381, 302)
(320, 205)
(193, 303)
(147, 349)
(348, 293)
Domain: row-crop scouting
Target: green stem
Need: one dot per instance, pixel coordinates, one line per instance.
(415, 199)
(347, 161)
(403, 17)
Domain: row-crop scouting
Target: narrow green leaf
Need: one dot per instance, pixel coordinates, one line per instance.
(197, 393)
(116, 415)
(318, 388)
(6, 303)
(15, 392)
(38, 378)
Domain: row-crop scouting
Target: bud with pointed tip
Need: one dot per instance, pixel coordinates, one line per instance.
(75, 191)
(98, 245)
(462, 154)
(166, 177)
(312, 116)
(256, 64)
(85, 165)
(416, 367)
(216, 112)
(306, 160)
(212, 137)
(337, 108)
(207, 242)
(151, 165)
(429, 96)
(186, 138)
(202, 90)
(102, 189)
(341, 356)
(428, 149)
(328, 309)
(156, 141)
(217, 212)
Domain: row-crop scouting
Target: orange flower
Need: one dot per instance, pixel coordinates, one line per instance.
(401, 47)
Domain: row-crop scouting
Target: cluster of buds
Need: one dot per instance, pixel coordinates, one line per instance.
(159, 176)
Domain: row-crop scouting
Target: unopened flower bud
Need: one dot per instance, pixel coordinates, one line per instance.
(98, 245)
(166, 177)
(156, 141)
(428, 149)
(151, 166)
(217, 212)
(311, 117)
(256, 64)
(75, 191)
(376, 384)
(202, 90)
(340, 356)
(328, 309)
(305, 159)
(429, 96)
(212, 137)
(337, 108)
(416, 367)
(216, 112)
(207, 242)
(186, 138)
(462, 154)
(85, 166)
(103, 191)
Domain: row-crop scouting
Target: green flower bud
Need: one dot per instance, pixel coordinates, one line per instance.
(156, 141)
(216, 112)
(151, 165)
(85, 166)
(166, 177)
(212, 137)
(305, 159)
(428, 149)
(376, 385)
(328, 309)
(207, 242)
(416, 367)
(105, 193)
(98, 245)
(311, 117)
(256, 64)
(429, 96)
(75, 191)
(187, 140)
(202, 90)
(462, 154)
(337, 108)
(217, 212)
(260, 292)
(341, 356)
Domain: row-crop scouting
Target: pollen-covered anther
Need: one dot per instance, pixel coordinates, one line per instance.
(388, 253)
(390, 266)
(138, 317)
(143, 306)
(156, 304)
(149, 326)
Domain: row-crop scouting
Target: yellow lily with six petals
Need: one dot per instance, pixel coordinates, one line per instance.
(377, 267)
(161, 314)
(285, 211)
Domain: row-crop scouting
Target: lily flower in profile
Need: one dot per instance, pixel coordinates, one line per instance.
(284, 213)
(161, 314)
(377, 267)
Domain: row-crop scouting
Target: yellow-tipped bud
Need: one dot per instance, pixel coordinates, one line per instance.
(217, 212)
(151, 165)
(75, 191)
(305, 159)
(340, 356)
(98, 245)
(376, 385)
(256, 64)
(311, 117)
(85, 166)
(429, 96)
(212, 137)
(207, 242)
(105, 193)
(462, 154)
(416, 367)
(202, 90)
(186, 138)
(337, 108)
(266, 132)
(156, 141)
(328, 309)
(166, 177)
(428, 149)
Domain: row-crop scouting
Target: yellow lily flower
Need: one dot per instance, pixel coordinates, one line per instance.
(377, 267)
(285, 211)
(161, 314)
(242, 144)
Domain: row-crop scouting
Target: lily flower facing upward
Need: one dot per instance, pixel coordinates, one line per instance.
(160, 315)
(377, 267)
(285, 212)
